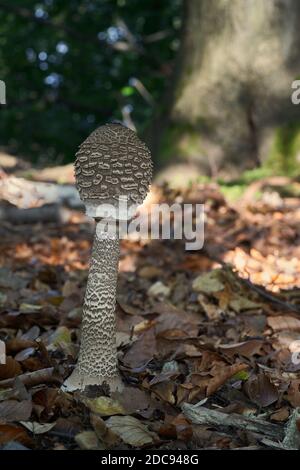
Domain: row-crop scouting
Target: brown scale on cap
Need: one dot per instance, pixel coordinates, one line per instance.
(113, 162)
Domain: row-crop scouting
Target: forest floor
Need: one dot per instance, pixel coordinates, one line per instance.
(207, 340)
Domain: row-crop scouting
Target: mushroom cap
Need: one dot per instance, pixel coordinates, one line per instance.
(112, 163)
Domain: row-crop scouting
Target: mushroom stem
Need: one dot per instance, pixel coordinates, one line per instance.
(97, 363)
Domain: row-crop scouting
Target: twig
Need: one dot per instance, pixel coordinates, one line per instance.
(270, 297)
(256, 288)
(201, 415)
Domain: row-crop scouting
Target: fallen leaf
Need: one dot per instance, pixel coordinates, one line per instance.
(165, 391)
(87, 440)
(104, 406)
(184, 430)
(260, 390)
(293, 394)
(37, 428)
(174, 324)
(209, 283)
(15, 345)
(280, 415)
(12, 410)
(142, 350)
(104, 434)
(213, 311)
(246, 348)
(23, 355)
(221, 375)
(131, 430)
(158, 290)
(11, 369)
(283, 322)
(240, 303)
(29, 308)
(67, 427)
(10, 432)
(60, 338)
(132, 399)
(10, 281)
(32, 334)
(150, 272)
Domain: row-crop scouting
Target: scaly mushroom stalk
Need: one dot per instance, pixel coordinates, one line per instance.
(112, 163)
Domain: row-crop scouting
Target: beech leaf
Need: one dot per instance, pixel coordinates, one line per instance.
(131, 430)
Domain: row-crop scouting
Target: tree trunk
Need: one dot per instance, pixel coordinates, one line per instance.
(232, 97)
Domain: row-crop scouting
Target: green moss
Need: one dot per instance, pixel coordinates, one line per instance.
(202, 179)
(242, 375)
(256, 174)
(247, 177)
(285, 149)
(232, 192)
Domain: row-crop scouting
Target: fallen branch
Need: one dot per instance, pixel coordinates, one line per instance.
(25, 194)
(31, 379)
(200, 415)
(43, 214)
(270, 297)
(291, 439)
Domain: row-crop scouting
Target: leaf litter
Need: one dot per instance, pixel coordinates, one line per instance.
(201, 335)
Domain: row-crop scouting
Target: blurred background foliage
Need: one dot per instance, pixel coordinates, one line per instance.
(205, 82)
(70, 66)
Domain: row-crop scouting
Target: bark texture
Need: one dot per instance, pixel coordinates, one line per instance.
(238, 61)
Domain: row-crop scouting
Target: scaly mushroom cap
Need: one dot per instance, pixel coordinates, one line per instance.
(110, 163)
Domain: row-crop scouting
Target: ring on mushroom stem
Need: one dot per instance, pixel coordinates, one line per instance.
(99, 183)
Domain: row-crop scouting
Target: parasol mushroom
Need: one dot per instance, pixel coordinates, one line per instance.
(112, 164)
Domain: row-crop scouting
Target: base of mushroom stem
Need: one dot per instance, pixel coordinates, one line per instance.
(79, 381)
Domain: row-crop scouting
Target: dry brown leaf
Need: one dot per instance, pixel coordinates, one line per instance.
(213, 311)
(165, 391)
(194, 387)
(184, 430)
(15, 345)
(175, 324)
(104, 434)
(142, 350)
(283, 322)
(260, 390)
(221, 375)
(246, 348)
(150, 272)
(293, 394)
(132, 399)
(11, 369)
(281, 415)
(167, 431)
(10, 432)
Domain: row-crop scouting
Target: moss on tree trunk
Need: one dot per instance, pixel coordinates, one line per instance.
(232, 97)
